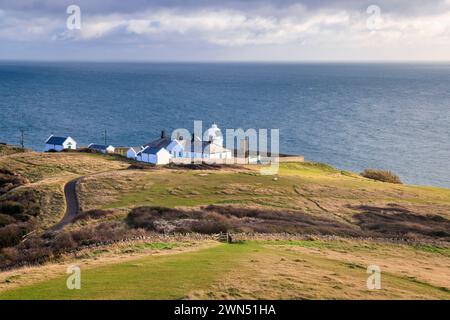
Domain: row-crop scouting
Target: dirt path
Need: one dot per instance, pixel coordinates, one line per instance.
(72, 206)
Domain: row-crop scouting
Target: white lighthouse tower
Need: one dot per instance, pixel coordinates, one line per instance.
(214, 135)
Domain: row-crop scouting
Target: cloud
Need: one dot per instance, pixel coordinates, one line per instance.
(244, 26)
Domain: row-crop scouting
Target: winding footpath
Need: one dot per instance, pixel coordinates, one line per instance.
(72, 207)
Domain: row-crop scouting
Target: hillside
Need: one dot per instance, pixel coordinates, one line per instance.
(308, 217)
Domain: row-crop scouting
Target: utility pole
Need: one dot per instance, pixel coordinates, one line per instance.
(22, 138)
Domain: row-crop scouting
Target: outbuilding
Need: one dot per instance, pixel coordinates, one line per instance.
(133, 152)
(102, 148)
(154, 155)
(55, 143)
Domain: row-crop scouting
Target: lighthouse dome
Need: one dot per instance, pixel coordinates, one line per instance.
(214, 135)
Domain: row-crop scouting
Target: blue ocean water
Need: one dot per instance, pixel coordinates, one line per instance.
(353, 116)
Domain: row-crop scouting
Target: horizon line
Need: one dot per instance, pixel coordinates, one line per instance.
(232, 61)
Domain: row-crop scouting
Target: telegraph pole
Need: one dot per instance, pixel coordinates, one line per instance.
(22, 138)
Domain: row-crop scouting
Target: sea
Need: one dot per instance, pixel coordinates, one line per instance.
(350, 115)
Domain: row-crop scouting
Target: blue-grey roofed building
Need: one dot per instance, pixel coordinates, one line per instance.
(162, 142)
(55, 143)
(102, 148)
(151, 150)
(154, 155)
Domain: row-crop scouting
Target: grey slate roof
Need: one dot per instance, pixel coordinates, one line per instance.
(98, 147)
(58, 141)
(159, 143)
(151, 150)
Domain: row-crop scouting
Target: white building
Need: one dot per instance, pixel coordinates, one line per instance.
(132, 152)
(162, 150)
(176, 148)
(154, 155)
(210, 148)
(102, 148)
(60, 143)
(214, 135)
(205, 150)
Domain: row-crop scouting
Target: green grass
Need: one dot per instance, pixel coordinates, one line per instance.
(153, 277)
(295, 180)
(250, 270)
(434, 249)
(172, 189)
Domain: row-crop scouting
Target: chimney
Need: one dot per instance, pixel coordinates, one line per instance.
(163, 134)
(244, 150)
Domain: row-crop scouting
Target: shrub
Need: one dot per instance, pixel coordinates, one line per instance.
(63, 241)
(145, 217)
(10, 180)
(215, 219)
(28, 199)
(5, 220)
(11, 207)
(11, 235)
(381, 175)
(212, 224)
(50, 246)
(93, 214)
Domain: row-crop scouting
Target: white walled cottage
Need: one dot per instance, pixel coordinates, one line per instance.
(154, 155)
(164, 149)
(176, 148)
(132, 152)
(60, 143)
(210, 148)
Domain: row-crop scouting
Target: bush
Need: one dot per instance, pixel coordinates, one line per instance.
(210, 224)
(381, 175)
(5, 220)
(215, 219)
(28, 199)
(49, 246)
(64, 241)
(10, 180)
(11, 207)
(12, 234)
(93, 214)
(145, 217)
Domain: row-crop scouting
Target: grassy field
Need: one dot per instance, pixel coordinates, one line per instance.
(255, 269)
(314, 189)
(49, 172)
(260, 270)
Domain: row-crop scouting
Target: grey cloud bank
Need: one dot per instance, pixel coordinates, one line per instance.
(225, 30)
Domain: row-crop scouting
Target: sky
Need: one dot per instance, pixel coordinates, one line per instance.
(237, 30)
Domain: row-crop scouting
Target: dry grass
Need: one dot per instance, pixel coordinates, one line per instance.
(381, 175)
(307, 194)
(89, 258)
(325, 193)
(47, 173)
(285, 269)
(333, 270)
(39, 166)
(6, 150)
